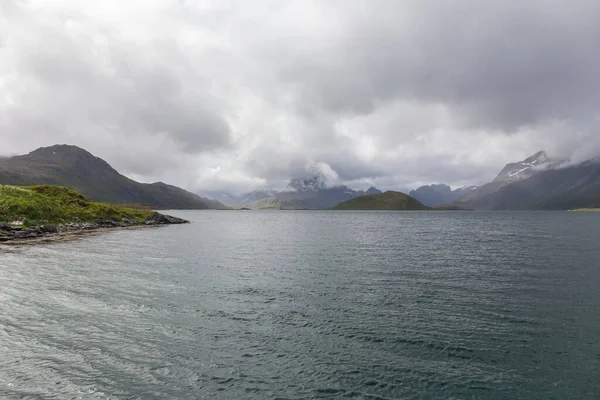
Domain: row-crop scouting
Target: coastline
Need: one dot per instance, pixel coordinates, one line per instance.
(10, 236)
(68, 235)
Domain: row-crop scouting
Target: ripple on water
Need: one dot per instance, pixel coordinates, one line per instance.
(308, 305)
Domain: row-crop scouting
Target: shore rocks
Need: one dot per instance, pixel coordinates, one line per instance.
(50, 228)
(10, 232)
(5, 226)
(162, 219)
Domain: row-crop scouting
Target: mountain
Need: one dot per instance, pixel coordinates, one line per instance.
(313, 184)
(461, 192)
(514, 172)
(251, 197)
(562, 188)
(310, 193)
(382, 201)
(433, 195)
(224, 197)
(73, 167)
(518, 171)
(237, 200)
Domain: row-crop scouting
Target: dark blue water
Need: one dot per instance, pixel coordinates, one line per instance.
(295, 305)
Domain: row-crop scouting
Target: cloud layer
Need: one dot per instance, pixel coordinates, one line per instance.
(237, 95)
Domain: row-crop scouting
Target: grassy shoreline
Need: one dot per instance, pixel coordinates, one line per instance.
(39, 213)
(34, 205)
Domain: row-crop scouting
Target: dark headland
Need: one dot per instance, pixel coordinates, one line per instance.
(30, 213)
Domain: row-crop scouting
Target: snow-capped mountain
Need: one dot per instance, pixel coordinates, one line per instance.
(514, 172)
(561, 186)
(518, 171)
(540, 182)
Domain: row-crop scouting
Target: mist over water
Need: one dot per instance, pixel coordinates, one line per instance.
(304, 304)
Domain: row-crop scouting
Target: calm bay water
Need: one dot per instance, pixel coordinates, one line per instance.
(309, 305)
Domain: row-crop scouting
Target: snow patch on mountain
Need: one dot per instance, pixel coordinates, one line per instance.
(523, 169)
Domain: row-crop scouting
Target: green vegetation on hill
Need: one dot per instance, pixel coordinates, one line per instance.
(273, 203)
(384, 201)
(55, 205)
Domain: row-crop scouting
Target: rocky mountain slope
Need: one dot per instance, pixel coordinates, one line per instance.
(520, 170)
(80, 170)
(513, 172)
(537, 182)
(560, 188)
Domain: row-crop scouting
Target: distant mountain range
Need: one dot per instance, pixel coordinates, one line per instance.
(562, 188)
(434, 195)
(238, 200)
(310, 193)
(300, 193)
(78, 169)
(539, 182)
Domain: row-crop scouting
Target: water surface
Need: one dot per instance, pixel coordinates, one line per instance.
(302, 304)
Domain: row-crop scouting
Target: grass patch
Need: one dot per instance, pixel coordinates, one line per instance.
(28, 223)
(35, 205)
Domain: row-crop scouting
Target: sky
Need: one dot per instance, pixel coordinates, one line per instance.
(238, 95)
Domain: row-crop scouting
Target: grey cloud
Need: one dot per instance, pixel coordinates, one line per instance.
(77, 81)
(499, 65)
(230, 95)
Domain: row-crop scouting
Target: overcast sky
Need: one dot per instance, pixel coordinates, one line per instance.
(235, 95)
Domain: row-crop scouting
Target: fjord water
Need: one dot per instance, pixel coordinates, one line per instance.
(302, 304)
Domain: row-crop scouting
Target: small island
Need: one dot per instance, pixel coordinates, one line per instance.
(44, 212)
(389, 201)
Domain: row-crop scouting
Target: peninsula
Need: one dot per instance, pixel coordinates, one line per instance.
(38, 212)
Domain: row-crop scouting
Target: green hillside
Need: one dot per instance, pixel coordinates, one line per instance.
(55, 205)
(384, 201)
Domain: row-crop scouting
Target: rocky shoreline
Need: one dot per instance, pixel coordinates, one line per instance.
(11, 234)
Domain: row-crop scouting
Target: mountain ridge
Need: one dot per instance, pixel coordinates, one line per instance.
(437, 194)
(512, 172)
(76, 168)
(568, 187)
(310, 193)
